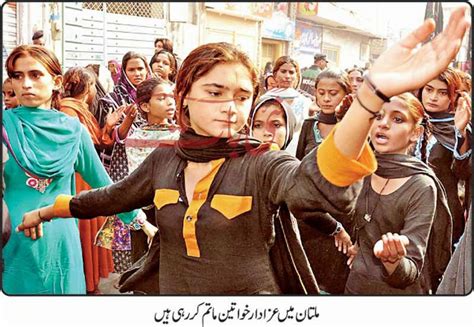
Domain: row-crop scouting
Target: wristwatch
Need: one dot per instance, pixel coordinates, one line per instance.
(338, 229)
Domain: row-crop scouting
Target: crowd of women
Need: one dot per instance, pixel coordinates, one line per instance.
(192, 178)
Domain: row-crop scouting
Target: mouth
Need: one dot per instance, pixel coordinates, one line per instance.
(432, 105)
(381, 138)
(228, 122)
(27, 95)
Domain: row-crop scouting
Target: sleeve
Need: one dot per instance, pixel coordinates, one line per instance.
(322, 221)
(418, 222)
(462, 164)
(307, 128)
(325, 180)
(88, 165)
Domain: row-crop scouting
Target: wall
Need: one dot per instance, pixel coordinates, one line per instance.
(349, 44)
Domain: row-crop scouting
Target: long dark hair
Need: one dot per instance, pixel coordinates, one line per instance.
(76, 81)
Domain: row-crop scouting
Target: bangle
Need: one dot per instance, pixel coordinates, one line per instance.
(375, 90)
(41, 218)
(373, 113)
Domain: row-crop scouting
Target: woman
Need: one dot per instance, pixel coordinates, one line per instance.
(164, 65)
(287, 76)
(331, 87)
(216, 181)
(46, 148)
(327, 261)
(122, 102)
(402, 221)
(79, 93)
(356, 77)
(115, 70)
(439, 97)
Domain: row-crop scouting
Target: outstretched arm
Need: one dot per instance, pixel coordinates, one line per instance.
(401, 68)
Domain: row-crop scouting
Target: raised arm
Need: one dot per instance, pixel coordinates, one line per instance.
(401, 68)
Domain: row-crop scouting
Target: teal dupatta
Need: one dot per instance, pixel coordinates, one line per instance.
(44, 141)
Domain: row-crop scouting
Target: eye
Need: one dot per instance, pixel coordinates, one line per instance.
(378, 116)
(398, 120)
(16, 76)
(443, 93)
(243, 98)
(214, 94)
(277, 125)
(428, 89)
(257, 125)
(36, 75)
(333, 93)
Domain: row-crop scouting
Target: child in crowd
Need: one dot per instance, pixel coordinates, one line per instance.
(9, 97)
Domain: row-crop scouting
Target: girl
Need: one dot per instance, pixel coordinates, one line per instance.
(438, 97)
(163, 64)
(215, 202)
(79, 93)
(122, 102)
(317, 231)
(287, 76)
(331, 87)
(156, 102)
(45, 148)
(9, 97)
(271, 121)
(402, 221)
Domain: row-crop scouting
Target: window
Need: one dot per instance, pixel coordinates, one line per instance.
(332, 53)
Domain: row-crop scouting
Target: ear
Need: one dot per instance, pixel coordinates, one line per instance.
(145, 107)
(58, 82)
(416, 134)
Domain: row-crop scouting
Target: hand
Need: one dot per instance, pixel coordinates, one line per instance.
(342, 240)
(113, 117)
(391, 248)
(131, 112)
(344, 106)
(351, 253)
(462, 117)
(31, 225)
(150, 231)
(404, 67)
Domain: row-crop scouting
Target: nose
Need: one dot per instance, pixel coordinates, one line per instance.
(27, 83)
(434, 96)
(229, 107)
(383, 122)
(326, 97)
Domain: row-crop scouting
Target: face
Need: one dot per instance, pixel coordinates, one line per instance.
(112, 68)
(91, 93)
(9, 96)
(162, 105)
(162, 66)
(136, 71)
(39, 41)
(329, 94)
(33, 84)
(435, 96)
(271, 83)
(158, 46)
(219, 102)
(394, 130)
(286, 76)
(322, 64)
(355, 78)
(269, 125)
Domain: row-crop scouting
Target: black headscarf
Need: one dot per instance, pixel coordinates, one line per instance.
(439, 244)
(289, 116)
(443, 128)
(198, 148)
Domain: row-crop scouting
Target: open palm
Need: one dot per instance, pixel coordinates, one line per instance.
(405, 66)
